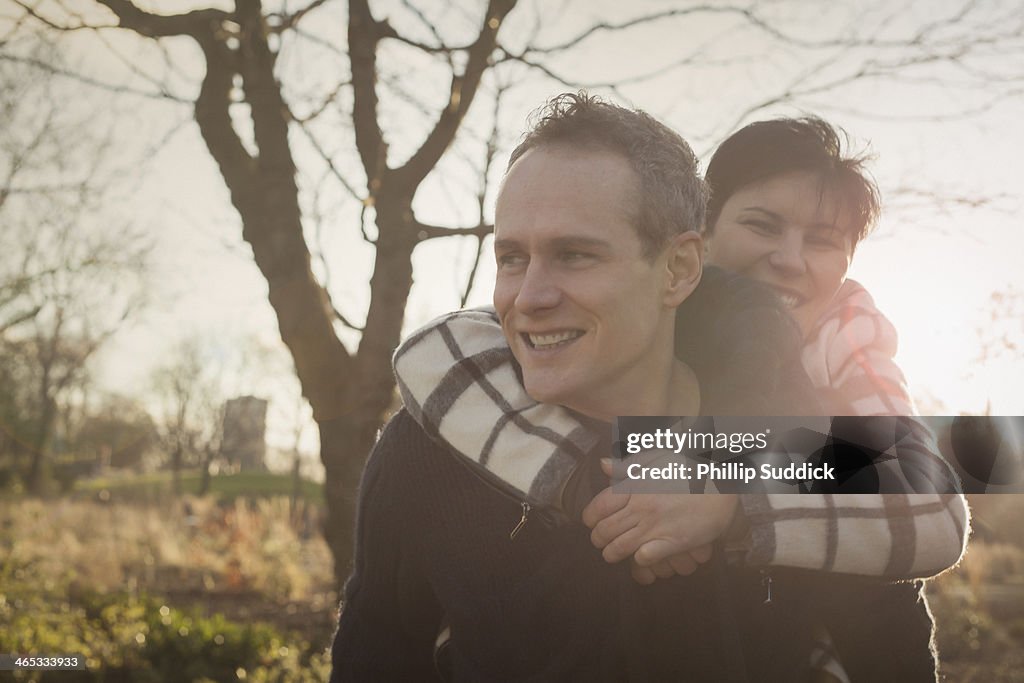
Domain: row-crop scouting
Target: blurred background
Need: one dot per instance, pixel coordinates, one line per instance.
(217, 219)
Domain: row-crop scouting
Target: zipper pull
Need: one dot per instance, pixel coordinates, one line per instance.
(766, 581)
(522, 521)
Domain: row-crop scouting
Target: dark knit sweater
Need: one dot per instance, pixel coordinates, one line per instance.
(433, 542)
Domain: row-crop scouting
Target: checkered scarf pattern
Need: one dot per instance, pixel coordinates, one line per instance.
(459, 380)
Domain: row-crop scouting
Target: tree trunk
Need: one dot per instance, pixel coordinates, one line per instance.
(36, 471)
(344, 444)
(204, 482)
(176, 459)
(349, 393)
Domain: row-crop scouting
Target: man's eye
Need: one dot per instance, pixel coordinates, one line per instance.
(763, 227)
(573, 256)
(510, 260)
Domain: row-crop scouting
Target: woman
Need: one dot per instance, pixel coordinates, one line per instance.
(788, 209)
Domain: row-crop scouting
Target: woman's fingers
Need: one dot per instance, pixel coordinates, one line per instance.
(683, 564)
(651, 552)
(610, 528)
(642, 575)
(701, 553)
(663, 570)
(654, 555)
(603, 506)
(623, 546)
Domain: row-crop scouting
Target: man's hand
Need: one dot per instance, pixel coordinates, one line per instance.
(658, 526)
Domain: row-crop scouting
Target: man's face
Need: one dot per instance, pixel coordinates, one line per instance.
(784, 232)
(582, 308)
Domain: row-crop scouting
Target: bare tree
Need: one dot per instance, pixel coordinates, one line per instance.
(393, 133)
(69, 273)
(189, 422)
(1002, 335)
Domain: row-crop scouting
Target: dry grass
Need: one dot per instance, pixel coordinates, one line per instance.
(247, 559)
(979, 606)
(252, 561)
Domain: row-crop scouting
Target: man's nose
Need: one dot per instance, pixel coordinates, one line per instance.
(788, 255)
(538, 290)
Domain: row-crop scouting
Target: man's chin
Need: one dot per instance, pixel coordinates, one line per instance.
(546, 391)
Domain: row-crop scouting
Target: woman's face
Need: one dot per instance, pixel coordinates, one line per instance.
(786, 233)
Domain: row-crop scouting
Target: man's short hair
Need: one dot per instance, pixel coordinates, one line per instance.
(672, 196)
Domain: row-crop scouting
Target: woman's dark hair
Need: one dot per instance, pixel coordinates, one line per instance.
(744, 347)
(766, 149)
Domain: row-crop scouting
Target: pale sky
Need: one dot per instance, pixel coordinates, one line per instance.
(932, 265)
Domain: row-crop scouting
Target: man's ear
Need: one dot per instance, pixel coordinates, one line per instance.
(683, 266)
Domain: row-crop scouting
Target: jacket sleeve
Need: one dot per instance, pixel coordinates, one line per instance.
(389, 616)
(918, 533)
(850, 358)
(892, 535)
(459, 381)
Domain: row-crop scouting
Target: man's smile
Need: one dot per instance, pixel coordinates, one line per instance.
(543, 341)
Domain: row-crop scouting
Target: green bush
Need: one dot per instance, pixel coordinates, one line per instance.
(138, 638)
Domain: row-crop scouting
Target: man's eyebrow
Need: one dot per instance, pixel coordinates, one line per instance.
(579, 241)
(564, 242)
(505, 245)
(770, 214)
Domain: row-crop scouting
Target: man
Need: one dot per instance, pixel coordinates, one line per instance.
(596, 243)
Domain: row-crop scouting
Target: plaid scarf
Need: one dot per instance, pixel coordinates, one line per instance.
(459, 380)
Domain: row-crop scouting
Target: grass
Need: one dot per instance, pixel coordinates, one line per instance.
(105, 580)
(262, 560)
(159, 485)
(979, 606)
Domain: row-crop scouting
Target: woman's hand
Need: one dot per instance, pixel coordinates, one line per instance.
(682, 564)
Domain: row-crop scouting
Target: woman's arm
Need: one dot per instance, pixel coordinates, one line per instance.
(459, 381)
(850, 359)
(895, 535)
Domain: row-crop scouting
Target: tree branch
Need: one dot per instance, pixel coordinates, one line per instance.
(363, 35)
(214, 117)
(754, 20)
(472, 273)
(322, 107)
(330, 163)
(88, 80)
(60, 27)
(194, 23)
(426, 232)
(288, 21)
(267, 108)
(463, 89)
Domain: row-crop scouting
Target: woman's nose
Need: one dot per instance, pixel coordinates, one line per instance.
(788, 255)
(537, 290)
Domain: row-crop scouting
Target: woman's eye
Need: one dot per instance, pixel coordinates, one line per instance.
(823, 242)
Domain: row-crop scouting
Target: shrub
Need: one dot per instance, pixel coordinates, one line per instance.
(138, 638)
